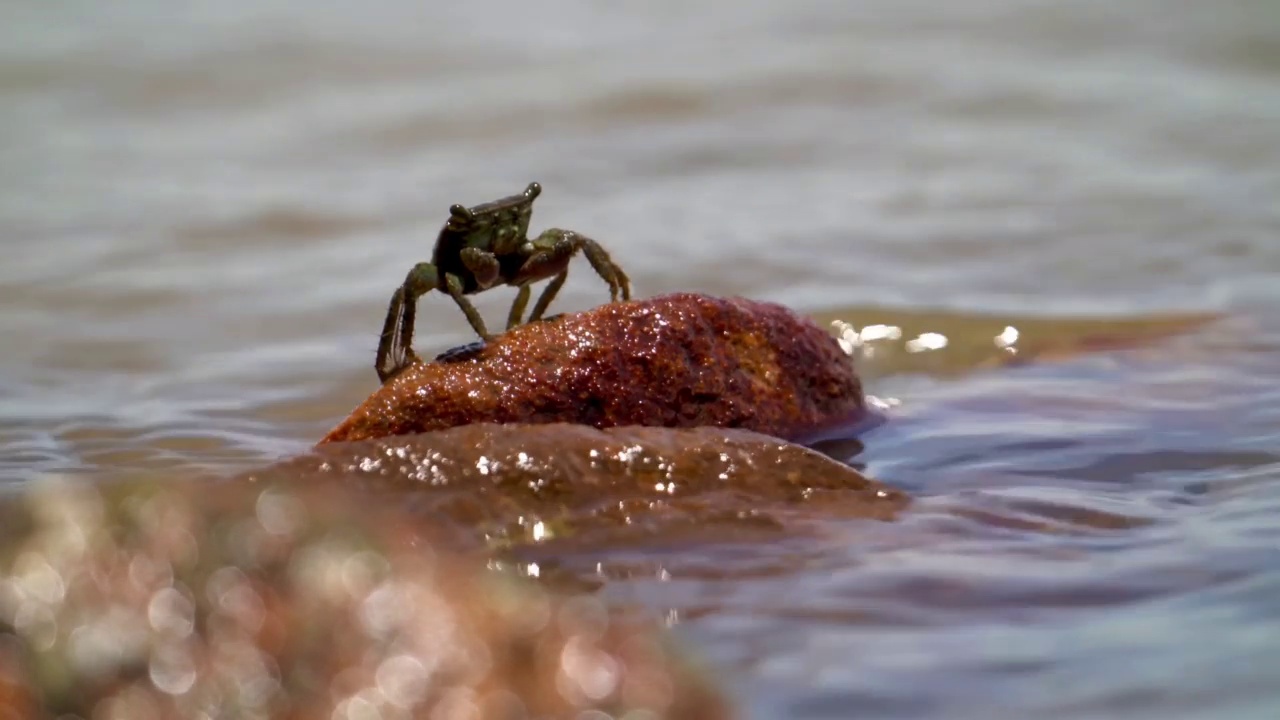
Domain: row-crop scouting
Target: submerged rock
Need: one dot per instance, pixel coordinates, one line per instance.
(345, 582)
(682, 360)
(263, 601)
(521, 484)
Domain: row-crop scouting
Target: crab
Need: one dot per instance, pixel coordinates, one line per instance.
(483, 247)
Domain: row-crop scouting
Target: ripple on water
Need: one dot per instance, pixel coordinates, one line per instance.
(202, 226)
(1118, 562)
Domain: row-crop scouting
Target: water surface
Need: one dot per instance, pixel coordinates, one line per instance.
(204, 211)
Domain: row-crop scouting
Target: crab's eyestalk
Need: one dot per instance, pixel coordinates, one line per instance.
(460, 215)
(533, 191)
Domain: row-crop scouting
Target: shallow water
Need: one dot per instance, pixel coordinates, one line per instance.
(204, 213)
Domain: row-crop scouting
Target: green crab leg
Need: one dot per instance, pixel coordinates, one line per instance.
(606, 268)
(557, 247)
(517, 307)
(395, 350)
(568, 242)
(548, 294)
(453, 286)
(391, 355)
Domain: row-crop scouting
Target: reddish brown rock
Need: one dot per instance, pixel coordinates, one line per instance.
(573, 485)
(17, 697)
(680, 360)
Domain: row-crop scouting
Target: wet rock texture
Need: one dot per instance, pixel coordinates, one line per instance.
(260, 601)
(521, 484)
(682, 360)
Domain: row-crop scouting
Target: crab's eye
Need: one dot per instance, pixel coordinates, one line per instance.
(459, 212)
(533, 191)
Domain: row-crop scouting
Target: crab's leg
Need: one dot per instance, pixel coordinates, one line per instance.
(600, 261)
(518, 306)
(606, 268)
(391, 354)
(555, 248)
(548, 294)
(453, 286)
(395, 346)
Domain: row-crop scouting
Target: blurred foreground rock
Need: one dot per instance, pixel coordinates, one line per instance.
(266, 601)
(517, 484)
(680, 360)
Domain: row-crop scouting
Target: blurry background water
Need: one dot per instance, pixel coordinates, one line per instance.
(205, 206)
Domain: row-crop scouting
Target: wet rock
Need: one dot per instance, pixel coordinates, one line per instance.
(17, 701)
(680, 360)
(262, 601)
(504, 485)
